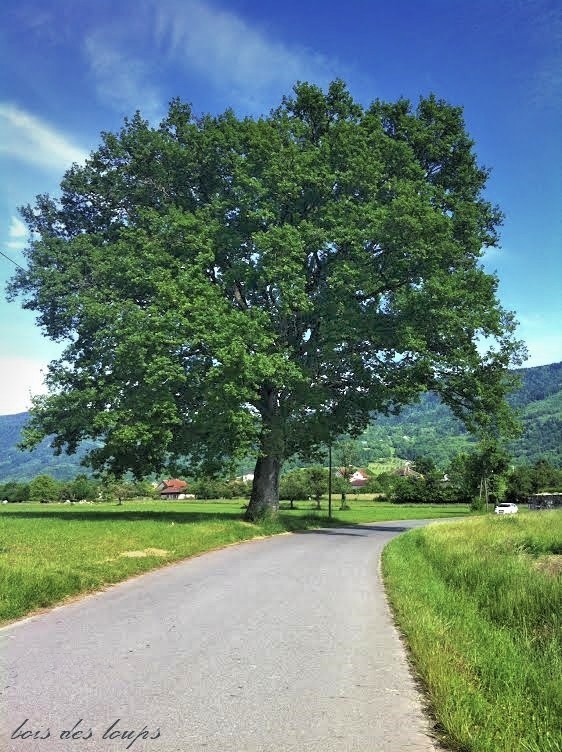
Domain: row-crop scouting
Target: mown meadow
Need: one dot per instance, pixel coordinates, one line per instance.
(49, 552)
(480, 605)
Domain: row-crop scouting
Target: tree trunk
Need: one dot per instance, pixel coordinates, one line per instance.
(264, 500)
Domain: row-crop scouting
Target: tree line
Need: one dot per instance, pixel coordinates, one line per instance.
(469, 478)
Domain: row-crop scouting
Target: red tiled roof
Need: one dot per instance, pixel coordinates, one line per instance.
(174, 484)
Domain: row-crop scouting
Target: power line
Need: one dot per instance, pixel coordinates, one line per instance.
(12, 260)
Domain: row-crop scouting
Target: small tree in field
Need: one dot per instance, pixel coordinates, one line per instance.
(114, 488)
(230, 285)
(347, 454)
(44, 489)
(343, 487)
(317, 479)
(294, 486)
(83, 487)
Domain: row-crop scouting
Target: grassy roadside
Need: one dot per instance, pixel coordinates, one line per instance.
(49, 552)
(480, 605)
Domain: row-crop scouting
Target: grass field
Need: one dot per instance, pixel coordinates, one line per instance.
(480, 604)
(51, 551)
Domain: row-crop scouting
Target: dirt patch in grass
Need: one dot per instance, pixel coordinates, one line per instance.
(551, 565)
(146, 552)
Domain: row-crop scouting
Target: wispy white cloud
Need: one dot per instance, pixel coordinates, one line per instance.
(17, 234)
(29, 139)
(17, 229)
(225, 49)
(122, 80)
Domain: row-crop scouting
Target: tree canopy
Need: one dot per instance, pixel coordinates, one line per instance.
(226, 285)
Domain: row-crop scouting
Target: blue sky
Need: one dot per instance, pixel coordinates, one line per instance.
(71, 69)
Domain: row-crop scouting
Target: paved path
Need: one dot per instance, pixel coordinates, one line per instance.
(280, 645)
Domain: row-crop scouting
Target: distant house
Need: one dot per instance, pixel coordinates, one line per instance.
(174, 489)
(358, 479)
(407, 472)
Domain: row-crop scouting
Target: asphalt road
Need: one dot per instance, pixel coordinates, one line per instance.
(278, 645)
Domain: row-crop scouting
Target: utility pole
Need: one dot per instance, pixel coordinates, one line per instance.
(330, 481)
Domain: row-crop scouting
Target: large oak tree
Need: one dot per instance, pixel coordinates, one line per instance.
(229, 285)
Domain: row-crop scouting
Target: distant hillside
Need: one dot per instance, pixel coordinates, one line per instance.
(429, 428)
(540, 402)
(426, 428)
(18, 465)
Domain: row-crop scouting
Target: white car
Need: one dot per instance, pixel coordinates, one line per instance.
(506, 508)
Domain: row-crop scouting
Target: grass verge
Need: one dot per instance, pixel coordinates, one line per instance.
(49, 552)
(480, 605)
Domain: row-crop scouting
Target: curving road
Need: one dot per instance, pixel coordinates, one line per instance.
(278, 645)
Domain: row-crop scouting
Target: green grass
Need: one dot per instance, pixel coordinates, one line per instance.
(480, 605)
(386, 465)
(49, 552)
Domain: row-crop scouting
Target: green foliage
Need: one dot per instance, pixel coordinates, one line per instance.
(423, 429)
(376, 484)
(426, 466)
(216, 488)
(346, 454)
(427, 491)
(43, 488)
(13, 491)
(237, 285)
(82, 488)
(294, 486)
(481, 473)
(526, 480)
(238, 489)
(210, 488)
(317, 482)
(113, 488)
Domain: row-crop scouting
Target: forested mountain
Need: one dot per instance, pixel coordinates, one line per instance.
(429, 428)
(423, 429)
(540, 401)
(18, 465)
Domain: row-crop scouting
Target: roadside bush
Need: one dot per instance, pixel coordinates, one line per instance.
(210, 488)
(420, 491)
(478, 503)
(239, 489)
